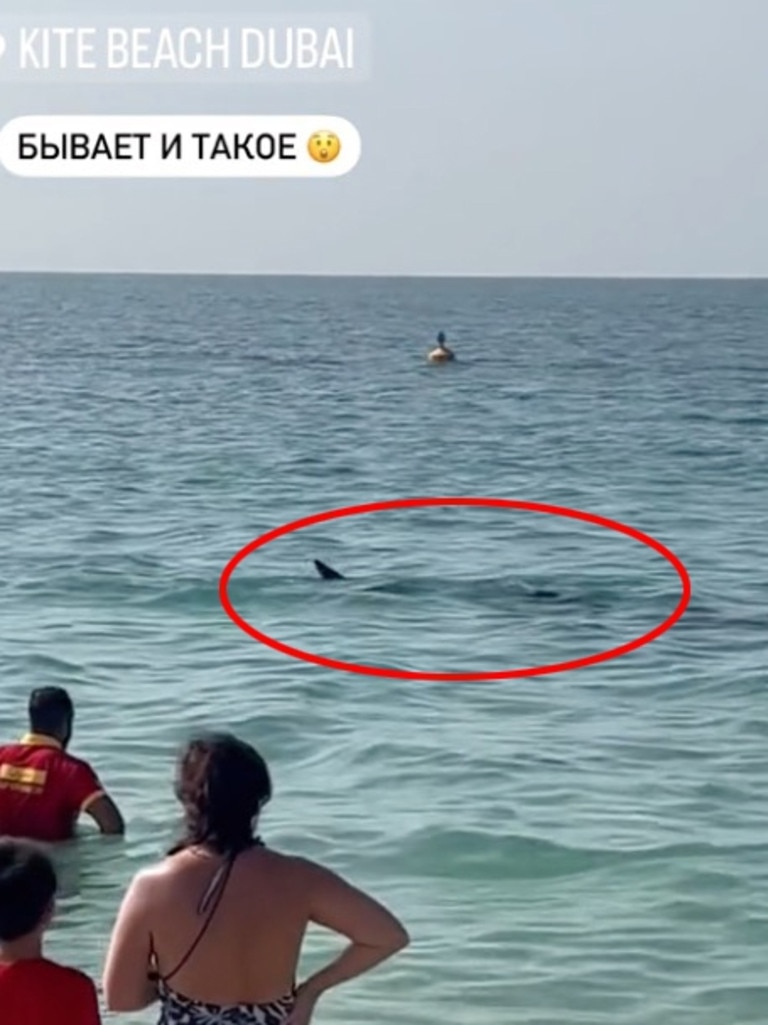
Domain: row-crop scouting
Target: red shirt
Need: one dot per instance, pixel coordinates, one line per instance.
(43, 789)
(41, 992)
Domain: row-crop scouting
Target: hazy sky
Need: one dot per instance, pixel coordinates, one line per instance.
(511, 137)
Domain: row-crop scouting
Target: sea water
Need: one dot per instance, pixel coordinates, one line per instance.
(583, 847)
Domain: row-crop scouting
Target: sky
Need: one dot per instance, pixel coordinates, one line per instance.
(499, 137)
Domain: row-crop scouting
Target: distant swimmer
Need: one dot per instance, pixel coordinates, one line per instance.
(441, 354)
(326, 572)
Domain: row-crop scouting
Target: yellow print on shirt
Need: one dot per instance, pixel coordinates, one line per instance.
(28, 780)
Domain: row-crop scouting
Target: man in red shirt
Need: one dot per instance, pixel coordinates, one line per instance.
(34, 990)
(43, 789)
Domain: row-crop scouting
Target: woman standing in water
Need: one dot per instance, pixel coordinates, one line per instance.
(214, 932)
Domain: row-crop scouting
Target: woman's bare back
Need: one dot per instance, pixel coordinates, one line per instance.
(250, 950)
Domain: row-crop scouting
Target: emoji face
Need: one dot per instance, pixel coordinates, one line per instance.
(324, 147)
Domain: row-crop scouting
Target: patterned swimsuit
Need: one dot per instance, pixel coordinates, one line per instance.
(180, 1010)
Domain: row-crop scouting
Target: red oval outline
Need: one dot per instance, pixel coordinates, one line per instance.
(498, 503)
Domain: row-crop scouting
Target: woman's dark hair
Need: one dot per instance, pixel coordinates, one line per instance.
(27, 887)
(222, 783)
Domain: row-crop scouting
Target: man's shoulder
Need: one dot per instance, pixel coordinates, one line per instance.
(40, 752)
(75, 761)
(64, 765)
(19, 753)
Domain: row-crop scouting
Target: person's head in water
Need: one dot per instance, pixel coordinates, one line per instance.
(51, 713)
(27, 891)
(441, 339)
(222, 784)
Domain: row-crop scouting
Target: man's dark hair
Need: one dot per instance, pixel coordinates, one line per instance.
(27, 887)
(50, 710)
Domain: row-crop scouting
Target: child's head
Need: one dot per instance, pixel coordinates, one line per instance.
(27, 889)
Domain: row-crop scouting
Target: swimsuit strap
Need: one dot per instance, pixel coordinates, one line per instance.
(213, 894)
(210, 899)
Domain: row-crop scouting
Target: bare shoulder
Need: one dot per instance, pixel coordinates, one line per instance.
(153, 889)
(302, 873)
(322, 882)
(340, 905)
(147, 881)
(302, 866)
(289, 865)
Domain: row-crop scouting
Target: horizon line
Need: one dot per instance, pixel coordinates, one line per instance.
(389, 275)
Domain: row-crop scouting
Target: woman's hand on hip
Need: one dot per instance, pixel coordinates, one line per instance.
(303, 1008)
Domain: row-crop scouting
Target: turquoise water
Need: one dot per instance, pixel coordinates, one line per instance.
(585, 847)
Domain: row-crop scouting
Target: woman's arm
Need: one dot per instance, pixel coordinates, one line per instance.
(126, 983)
(375, 933)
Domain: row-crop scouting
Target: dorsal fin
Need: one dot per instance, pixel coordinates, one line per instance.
(326, 572)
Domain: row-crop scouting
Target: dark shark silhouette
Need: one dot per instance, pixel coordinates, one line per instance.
(329, 573)
(326, 572)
